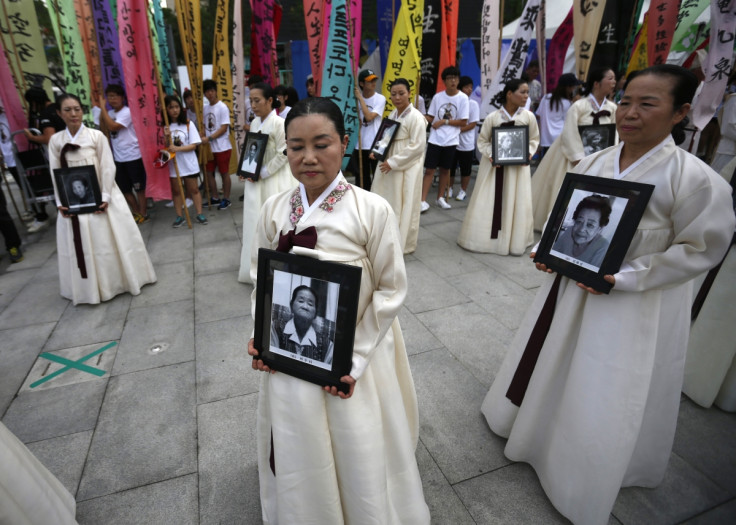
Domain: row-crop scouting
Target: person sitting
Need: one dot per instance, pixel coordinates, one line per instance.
(583, 240)
(301, 335)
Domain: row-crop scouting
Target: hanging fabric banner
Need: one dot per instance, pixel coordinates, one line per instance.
(513, 62)
(615, 27)
(557, 50)
(238, 75)
(222, 72)
(21, 38)
(263, 28)
(163, 48)
(469, 62)
(690, 10)
(107, 44)
(717, 65)
(355, 10)
(337, 77)
(141, 87)
(490, 36)
(630, 39)
(431, 44)
(11, 102)
(86, 25)
(663, 19)
(404, 58)
(692, 39)
(190, 33)
(586, 19)
(448, 48)
(638, 58)
(315, 34)
(387, 11)
(542, 45)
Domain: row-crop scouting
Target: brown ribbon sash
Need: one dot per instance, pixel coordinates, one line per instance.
(76, 233)
(498, 194)
(597, 116)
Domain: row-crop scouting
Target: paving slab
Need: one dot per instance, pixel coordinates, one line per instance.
(12, 283)
(147, 432)
(224, 230)
(156, 336)
(91, 323)
(64, 457)
(427, 291)
(49, 272)
(171, 502)
(35, 256)
(449, 414)
(175, 282)
(37, 302)
(449, 262)
(171, 247)
(220, 296)
(417, 337)
(228, 465)
(520, 269)
(223, 364)
(218, 256)
(725, 513)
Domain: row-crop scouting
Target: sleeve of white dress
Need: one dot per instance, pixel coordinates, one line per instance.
(54, 163)
(107, 165)
(570, 141)
(484, 137)
(279, 137)
(403, 159)
(533, 133)
(389, 278)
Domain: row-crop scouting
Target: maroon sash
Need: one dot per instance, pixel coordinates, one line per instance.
(498, 194)
(76, 233)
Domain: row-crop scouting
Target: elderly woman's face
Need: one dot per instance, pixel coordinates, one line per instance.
(506, 141)
(78, 188)
(587, 226)
(304, 305)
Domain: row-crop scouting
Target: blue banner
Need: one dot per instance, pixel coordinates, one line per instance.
(301, 66)
(163, 47)
(469, 62)
(387, 11)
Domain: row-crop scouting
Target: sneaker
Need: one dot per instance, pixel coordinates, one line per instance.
(442, 203)
(141, 219)
(201, 219)
(189, 203)
(37, 226)
(449, 192)
(16, 255)
(424, 207)
(170, 204)
(224, 204)
(27, 216)
(461, 195)
(214, 201)
(178, 222)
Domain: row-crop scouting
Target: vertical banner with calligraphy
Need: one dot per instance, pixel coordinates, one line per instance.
(21, 38)
(638, 58)
(238, 76)
(355, 24)
(190, 34)
(662, 22)
(387, 11)
(222, 72)
(163, 47)
(405, 58)
(141, 88)
(431, 44)
(557, 50)
(586, 19)
(490, 35)
(690, 10)
(448, 48)
(615, 26)
(315, 35)
(107, 43)
(718, 63)
(513, 62)
(337, 76)
(86, 25)
(265, 39)
(11, 102)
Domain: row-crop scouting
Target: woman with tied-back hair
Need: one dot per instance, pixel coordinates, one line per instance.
(589, 391)
(101, 254)
(567, 150)
(325, 456)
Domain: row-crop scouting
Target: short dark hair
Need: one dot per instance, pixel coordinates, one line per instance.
(268, 92)
(209, 84)
(464, 81)
(595, 202)
(254, 79)
(115, 89)
(317, 106)
(304, 287)
(450, 71)
(511, 86)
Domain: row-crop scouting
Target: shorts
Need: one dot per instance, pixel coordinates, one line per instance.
(464, 159)
(222, 161)
(442, 156)
(130, 176)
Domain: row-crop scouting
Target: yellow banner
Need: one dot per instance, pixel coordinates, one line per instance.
(586, 21)
(639, 55)
(221, 71)
(190, 33)
(405, 54)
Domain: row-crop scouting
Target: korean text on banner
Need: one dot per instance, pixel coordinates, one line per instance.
(404, 59)
(586, 19)
(86, 25)
(663, 19)
(490, 35)
(315, 35)
(107, 43)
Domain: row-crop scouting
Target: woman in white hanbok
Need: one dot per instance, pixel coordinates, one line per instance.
(325, 456)
(275, 175)
(499, 216)
(106, 256)
(567, 150)
(597, 407)
(398, 179)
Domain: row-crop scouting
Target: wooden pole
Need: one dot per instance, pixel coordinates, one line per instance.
(500, 33)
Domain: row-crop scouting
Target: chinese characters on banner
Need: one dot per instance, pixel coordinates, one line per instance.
(315, 35)
(614, 30)
(490, 34)
(557, 50)
(404, 57)
(431, 44)
(586, 20)
(107, 43)
(689, 11)
(448, 47)
(238, 76)
(263, 29)
(662, 22)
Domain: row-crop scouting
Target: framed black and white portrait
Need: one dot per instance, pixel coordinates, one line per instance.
(251, 156)
(306, 310)
(78, 189)
(384, 138)
(597, 138)
(591, 227)
(510, 145)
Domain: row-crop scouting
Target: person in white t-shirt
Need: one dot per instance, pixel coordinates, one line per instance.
(466, 146)
(448, 112)
(130, 172)
(371, 106)
(216, 131)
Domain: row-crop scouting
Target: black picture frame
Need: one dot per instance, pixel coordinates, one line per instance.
(516, 151)
(384, 138)
(597, 138)
(70, 180)
(605, 250)
(336, 288)
(250, 167)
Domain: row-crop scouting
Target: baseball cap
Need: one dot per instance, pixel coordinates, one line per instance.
(367, 75)
(568, 79)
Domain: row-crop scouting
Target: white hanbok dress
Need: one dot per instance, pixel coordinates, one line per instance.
(402, 186)
(601, 406)
(517, 232)
(565, 150)
(344, 460)
(256, 193)
(114, 252)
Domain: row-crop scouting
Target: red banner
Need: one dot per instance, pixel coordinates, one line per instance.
(315, 34)
(11, 101)
(448, 47)
(662, 24)
(86, 23)
(557, 51)
(263, 31)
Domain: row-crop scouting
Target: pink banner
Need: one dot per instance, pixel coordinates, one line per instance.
(265, 39)
(557, 50)
(315, 35)
(11, 101)
(354, 9)
(662, 24)
(141, 86)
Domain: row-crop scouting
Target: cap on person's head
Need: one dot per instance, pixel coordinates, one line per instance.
(367, 75)
(569, 79)
(310, 79)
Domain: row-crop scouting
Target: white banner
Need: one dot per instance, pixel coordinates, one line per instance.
(490, 35)
(238, 76)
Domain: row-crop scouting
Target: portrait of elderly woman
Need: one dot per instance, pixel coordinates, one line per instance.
(301, 330)
(583, 240)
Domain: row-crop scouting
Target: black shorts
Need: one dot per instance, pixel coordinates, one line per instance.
(442, 156)
(464, 159)
(130, 176)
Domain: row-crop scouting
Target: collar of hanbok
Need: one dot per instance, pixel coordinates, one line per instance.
(263, 122)
(331, 196)
(71, 137)
(617, 174)
(511, 117)
(595, 104)
(310, 338)
(406, 111)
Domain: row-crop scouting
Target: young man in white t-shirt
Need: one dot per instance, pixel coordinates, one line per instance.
(466, 146)
(216, 134)
(130, 172)
(371, 106)
(448, 112)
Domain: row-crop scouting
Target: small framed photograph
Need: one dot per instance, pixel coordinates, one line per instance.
(510, 145)
(591, 227)
(251, 156)
(384, 138)
(79, 189)
(306, 311)
(597, 138)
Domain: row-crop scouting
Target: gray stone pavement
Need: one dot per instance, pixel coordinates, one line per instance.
(166, 436)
